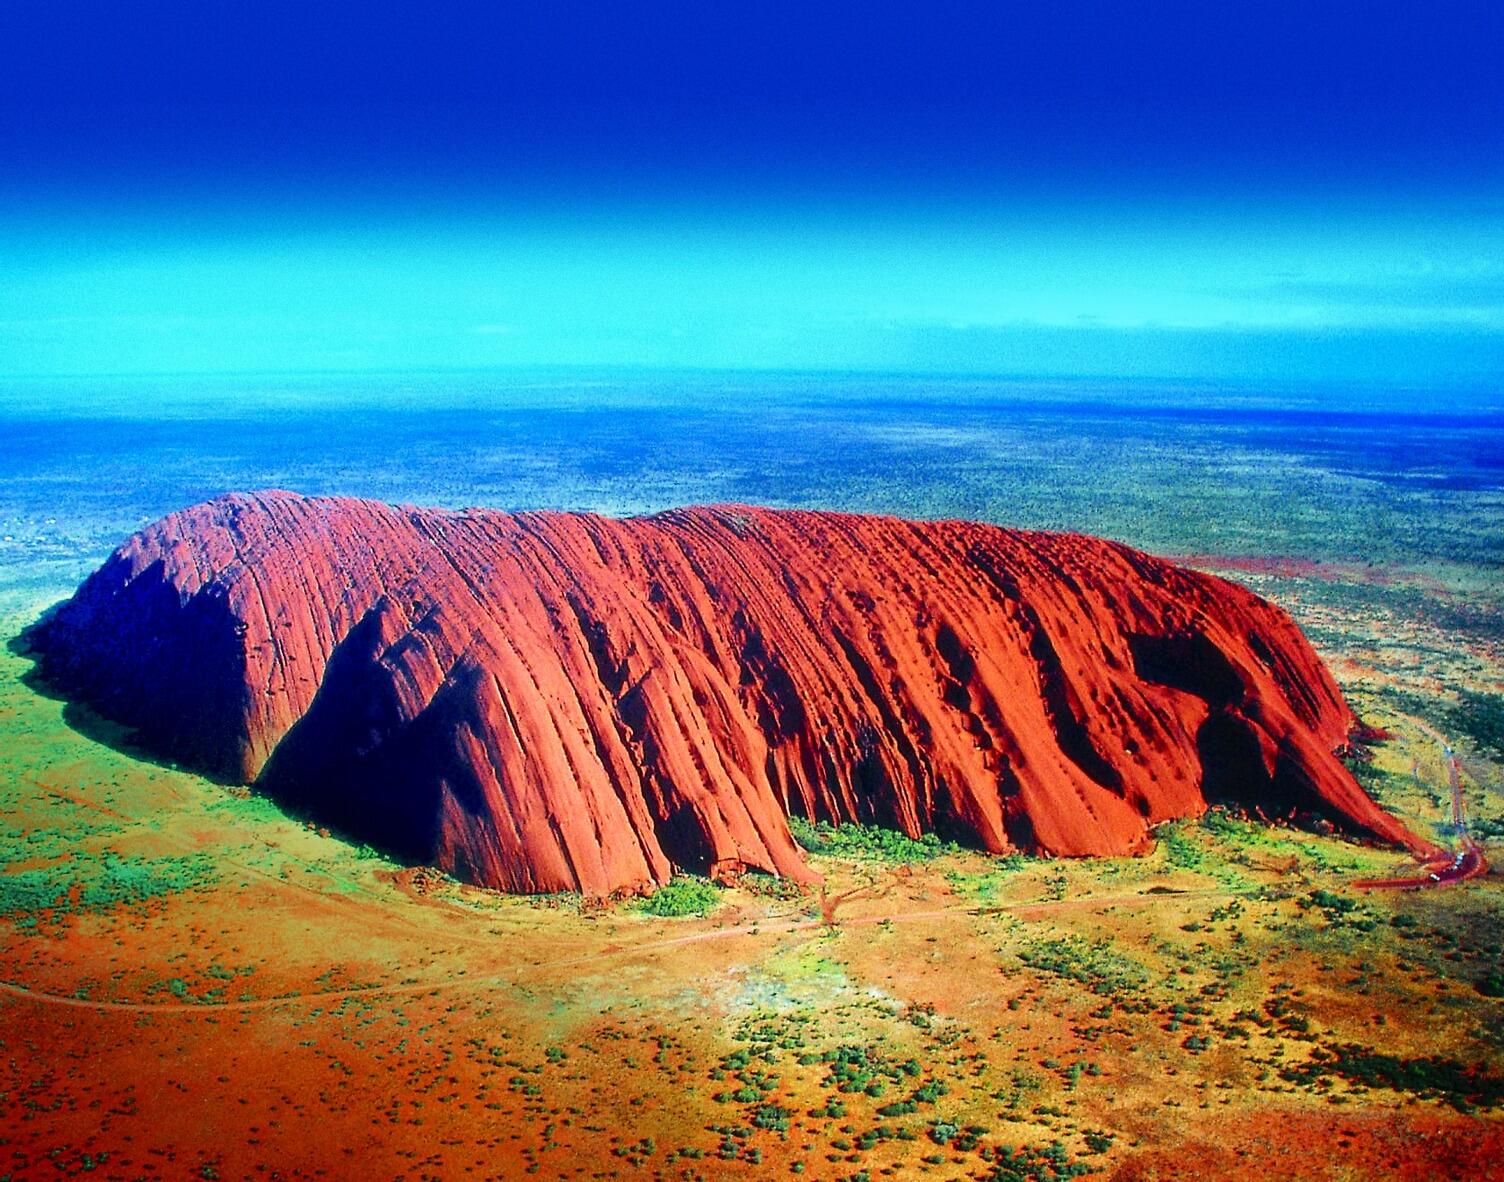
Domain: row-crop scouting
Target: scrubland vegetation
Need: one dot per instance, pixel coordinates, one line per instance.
(866, 841)
(194, 984)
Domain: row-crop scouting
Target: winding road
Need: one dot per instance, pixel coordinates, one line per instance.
(1468, 860)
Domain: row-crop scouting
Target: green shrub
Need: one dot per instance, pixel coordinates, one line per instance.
(1036, 1163)
(771, 1116)
(683, 896)
(943, 1132)
(1461, 1085)
(1095, 965)
(113, 881)
(866, 841)
(1180, 851)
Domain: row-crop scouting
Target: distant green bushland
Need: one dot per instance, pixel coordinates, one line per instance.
(1481, 718)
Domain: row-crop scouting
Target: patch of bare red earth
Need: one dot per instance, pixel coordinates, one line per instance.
(272, 1096)
(1315, 1147)
(556, 701)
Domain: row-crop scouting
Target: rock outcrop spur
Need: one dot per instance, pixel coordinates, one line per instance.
(559, 701)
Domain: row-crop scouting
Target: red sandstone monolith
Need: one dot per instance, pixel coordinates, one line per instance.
(562, 701)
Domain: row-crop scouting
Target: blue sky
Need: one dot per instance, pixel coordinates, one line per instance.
(1279, 191)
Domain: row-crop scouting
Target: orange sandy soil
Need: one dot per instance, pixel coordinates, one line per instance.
(1300, 1145)
(275, 1003)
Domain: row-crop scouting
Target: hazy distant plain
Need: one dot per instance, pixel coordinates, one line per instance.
(1178, 470)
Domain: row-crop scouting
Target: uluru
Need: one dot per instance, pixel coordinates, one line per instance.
(550, 701)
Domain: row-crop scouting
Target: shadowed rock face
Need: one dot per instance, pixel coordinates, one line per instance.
(547, 701)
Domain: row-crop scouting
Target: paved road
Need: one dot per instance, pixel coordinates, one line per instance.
(1467, 862)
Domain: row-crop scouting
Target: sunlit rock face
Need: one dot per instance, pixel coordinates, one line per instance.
(559, 701)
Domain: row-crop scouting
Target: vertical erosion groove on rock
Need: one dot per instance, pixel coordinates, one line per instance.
(560, 701)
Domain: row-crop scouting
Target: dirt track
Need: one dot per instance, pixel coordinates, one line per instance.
(775, 926)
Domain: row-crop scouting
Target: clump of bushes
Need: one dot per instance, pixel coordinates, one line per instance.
(113, 881)
(1338, 910)
(1036, 1163)
(683, 896)
(867, 841)
(1095, 965)
(1464, 1087)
